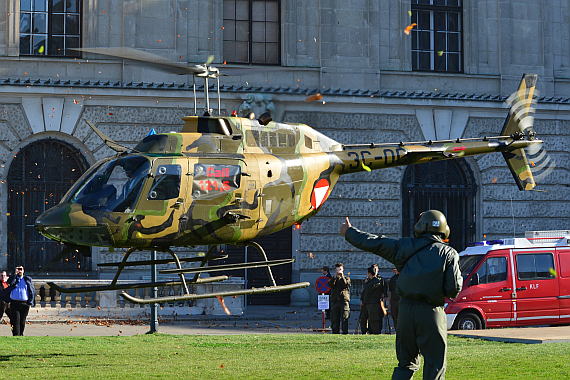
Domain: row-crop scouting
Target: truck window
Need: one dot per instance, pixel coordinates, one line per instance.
(535, 266)
(494, 269)
(467, 263)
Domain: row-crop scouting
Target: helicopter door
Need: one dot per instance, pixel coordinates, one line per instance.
(250, 204)
(162, 201)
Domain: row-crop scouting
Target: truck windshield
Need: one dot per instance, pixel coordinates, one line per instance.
(467, 263)
(115, 186)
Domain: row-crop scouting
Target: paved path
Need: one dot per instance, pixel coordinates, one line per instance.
(520, 334)
(258, 320)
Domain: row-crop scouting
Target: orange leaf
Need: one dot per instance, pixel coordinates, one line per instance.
(222, 366)
(532, 163)
(313, 98)
(409, 28)
(494, 180)
(226, 310)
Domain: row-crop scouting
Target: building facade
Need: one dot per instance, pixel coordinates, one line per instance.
(388, 71)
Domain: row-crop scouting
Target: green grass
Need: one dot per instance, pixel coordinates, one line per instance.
(264, 357)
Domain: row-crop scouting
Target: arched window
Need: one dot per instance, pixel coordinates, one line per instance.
(448, 186)
(39, 176)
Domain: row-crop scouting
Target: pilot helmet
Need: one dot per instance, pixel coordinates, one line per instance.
(432, 222)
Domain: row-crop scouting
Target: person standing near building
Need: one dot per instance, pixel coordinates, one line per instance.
(22, 295)
(394, 298)
(4, 306)
(340, 298)
(372, 312)
(429, 272)
(327, 273)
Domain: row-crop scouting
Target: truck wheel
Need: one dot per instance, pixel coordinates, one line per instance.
(468, 321)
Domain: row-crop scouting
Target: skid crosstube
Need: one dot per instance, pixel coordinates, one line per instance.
(135, 285)
(267, 289)
(214, 268)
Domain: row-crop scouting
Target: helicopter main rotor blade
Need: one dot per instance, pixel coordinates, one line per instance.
(110, 143)
(145, 58)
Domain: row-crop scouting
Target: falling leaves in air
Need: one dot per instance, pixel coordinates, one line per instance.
(221, 299)
(532, 163)
(409, 28)
(311, 255)
(494, 180)
(410, 13)
(313, 98)
(440, 53)
(552, 271)
(365, 167)
(41, 49)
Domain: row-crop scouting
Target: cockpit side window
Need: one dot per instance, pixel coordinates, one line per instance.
(115, 186)
(166, 184)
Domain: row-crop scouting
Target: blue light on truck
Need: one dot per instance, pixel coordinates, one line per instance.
(483, 243)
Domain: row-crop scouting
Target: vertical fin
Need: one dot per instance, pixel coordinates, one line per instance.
(521, 119)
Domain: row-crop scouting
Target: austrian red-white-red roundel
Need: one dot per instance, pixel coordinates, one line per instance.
(320, 193)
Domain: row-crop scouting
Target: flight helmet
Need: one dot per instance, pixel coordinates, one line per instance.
(432, 222)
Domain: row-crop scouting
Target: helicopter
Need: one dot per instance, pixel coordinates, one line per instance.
(226, 180)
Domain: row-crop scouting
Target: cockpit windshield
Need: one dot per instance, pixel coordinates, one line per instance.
(467, 263)
(115, 186)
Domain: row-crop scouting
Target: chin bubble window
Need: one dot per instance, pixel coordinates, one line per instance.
(166, 184)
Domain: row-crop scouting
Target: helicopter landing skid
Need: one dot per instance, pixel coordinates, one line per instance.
(183, 281)
(187, 297)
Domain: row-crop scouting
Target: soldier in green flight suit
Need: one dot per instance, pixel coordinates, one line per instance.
(429, 272)
(373, 291)
(340, 297)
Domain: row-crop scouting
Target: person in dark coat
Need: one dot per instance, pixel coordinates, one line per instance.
(327, 273)
(21, 294)
(394, 297)
(429, 272)
(371, 318)
(4, 306)
(340, 298)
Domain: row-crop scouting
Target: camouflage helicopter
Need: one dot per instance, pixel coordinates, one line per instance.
(229, 180)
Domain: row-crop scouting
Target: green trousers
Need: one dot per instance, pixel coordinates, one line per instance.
(421, 328)
(340, 312)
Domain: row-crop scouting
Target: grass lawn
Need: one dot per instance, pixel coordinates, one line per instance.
(264, 357)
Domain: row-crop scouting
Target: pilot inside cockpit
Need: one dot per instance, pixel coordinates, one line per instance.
(115, 186)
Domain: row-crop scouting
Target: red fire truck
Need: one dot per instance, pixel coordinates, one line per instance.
(513, 282)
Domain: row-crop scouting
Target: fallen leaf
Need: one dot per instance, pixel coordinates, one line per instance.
(409, 28)
(222, 366)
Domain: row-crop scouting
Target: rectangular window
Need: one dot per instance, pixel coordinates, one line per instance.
(50, 27)
(493, 270)
(252, 31)
(536, 266)
(437, 38)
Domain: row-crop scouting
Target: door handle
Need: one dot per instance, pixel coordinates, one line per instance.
(505, 290)
(521, 288)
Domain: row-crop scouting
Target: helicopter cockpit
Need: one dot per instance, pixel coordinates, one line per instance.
(115, 186)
